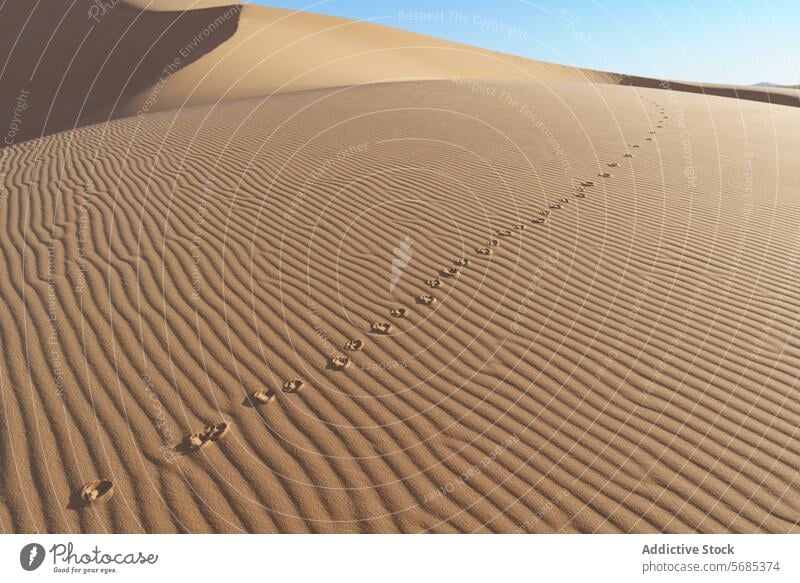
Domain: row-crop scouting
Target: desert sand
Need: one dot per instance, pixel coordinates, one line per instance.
(325, 276)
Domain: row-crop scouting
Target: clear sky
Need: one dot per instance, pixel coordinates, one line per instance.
(724, 41)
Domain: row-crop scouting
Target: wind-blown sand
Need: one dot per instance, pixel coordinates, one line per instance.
(627, 365)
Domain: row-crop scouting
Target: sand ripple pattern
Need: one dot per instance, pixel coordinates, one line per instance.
(626, 362)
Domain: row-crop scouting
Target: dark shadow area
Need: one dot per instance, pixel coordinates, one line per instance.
(66, 64)
(780, 96)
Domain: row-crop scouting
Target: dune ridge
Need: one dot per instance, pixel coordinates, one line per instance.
(77, 65)
(78, 62)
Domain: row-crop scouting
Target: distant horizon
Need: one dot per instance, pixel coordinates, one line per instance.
(750, 43)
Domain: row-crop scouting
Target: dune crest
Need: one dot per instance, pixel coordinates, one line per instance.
(76, 63)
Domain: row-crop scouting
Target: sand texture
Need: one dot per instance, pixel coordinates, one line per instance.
(547, 300)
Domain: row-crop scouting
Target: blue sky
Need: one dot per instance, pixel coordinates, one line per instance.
(741, 41)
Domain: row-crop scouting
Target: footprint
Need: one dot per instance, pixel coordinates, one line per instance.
(564, 199)
(580, 194)
(627, 155)
(263, 397)
(519, 227)
(433, 283)
(554, 205)
(538, 220)
(293, 386)
(340, 362)
(211, 433)
(381, 327)
(651, 132)
(462, 261)
(503, 233)
(483, 251)
(493, 242)
(354, 344)
(194, 442)
(96, 492)
(215, 432)
(426, 299)
(398, 312)
(587, 183)
(449, 272)
(613, 164)
(648, 139)
(659, 126)
(605, 175)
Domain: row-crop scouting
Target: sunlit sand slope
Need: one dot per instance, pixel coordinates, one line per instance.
(626, 362)
(69, 63)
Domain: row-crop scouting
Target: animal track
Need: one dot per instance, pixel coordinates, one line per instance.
(215, 431)
(263, 396)
(381, 327)
(354, 344)
(97, 491)
(449, 272)
(293, 386)
(194, 442)
(340, 362)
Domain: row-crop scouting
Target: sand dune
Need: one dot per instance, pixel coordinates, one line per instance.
(628, 365)
(67, 64)
(76, 62)
(778, 95)
(406, 306)
(275, 51)
(80, 62)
